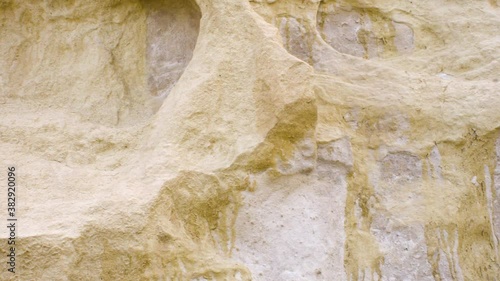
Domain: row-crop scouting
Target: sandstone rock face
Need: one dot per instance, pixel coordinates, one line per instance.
(251, 140)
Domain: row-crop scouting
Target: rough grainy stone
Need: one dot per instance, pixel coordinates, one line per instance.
(276, 140)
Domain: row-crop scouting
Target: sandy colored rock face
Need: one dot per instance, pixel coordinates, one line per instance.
(251, 140)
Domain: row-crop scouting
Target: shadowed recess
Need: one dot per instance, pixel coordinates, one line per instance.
(172, 31)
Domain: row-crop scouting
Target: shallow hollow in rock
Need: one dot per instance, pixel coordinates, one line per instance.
(363, 32)
(172, 31)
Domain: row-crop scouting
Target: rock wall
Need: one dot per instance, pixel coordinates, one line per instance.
(252, 140)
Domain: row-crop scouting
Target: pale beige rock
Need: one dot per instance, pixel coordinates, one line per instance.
(252, 140)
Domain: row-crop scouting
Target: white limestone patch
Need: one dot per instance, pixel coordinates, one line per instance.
(447, 255)
(404, 38)
(173, 28)
(444, 266)
(340, 30)
(296, 37)
(404, 249)
(491, 208)
(395, 126)
(292, 228)
(400, 236)
(401, 168)
(339, 151)
(434, 169)
(496, 195)
(354, 32)
(444, 76)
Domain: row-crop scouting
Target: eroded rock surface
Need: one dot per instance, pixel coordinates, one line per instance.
(252, 140)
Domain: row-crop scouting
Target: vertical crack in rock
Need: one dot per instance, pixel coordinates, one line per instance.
(496, 198)
(442, 252)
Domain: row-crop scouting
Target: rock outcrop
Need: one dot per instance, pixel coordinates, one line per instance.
(252, 140)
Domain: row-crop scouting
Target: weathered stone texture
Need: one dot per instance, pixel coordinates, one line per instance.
(252, 140)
